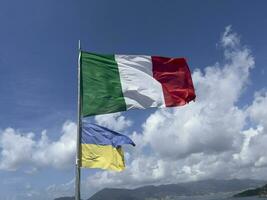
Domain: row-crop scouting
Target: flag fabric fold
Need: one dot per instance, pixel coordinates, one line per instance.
(114, 83)
(101, 147)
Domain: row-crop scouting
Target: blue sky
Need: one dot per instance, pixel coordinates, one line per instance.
(38, 70)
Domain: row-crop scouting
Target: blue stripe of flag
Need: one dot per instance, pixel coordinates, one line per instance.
(95, 134)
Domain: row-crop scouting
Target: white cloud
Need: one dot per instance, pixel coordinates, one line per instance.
(18, 149)
(253, 150)
(59, 154)
(258, 111)
(114, 121)
(230, 39)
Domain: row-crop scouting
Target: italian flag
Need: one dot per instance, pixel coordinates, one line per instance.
(114, 83)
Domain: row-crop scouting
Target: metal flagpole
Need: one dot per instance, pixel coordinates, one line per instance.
(78, 148)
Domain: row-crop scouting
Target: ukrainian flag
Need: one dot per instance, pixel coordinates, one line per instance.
(101, 147)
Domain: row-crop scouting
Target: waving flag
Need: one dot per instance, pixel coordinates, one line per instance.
(114, 83)
(101, 147)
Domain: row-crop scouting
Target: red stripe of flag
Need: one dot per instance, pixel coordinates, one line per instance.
(175, 78)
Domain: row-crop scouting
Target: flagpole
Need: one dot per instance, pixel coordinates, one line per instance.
(78, 149)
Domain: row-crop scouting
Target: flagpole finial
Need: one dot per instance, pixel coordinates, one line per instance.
(79, 45)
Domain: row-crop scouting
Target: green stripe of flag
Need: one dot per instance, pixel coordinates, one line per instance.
(101, 90)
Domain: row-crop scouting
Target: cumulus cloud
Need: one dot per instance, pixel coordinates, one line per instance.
(60, 153)
(114, 121)
(13, 154)
(253, 151)
(229, 38)
(256, 111)
(18, 149)
(209, 138)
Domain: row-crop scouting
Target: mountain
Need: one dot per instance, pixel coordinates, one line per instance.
(260, 191)
(65, 198)
(170, 191)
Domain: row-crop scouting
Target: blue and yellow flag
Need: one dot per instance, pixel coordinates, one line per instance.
(101, 147)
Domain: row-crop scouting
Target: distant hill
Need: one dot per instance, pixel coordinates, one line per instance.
(65, 198)
(260, 191)
(172, 190)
